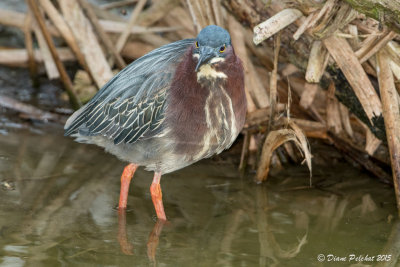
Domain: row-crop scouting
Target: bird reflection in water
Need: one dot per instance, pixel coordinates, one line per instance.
(126, 246)
(58, 209)
(153, 240)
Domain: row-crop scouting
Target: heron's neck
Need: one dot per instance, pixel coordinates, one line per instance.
(208, 72)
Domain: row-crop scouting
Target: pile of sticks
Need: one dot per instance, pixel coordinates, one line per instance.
(313, 69)
(342, 53)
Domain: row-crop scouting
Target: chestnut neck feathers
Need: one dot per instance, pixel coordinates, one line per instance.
(207, 104)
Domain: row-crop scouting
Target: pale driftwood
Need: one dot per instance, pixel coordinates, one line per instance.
(153, 39)
(274, 80)
(264, 54)
(369, 67)
(326, 9)
(29, 48)
(308, 95)
(16, 19)
(368, 42)
(105, 14)
(196, 15)
(240, 48)
(393, 48)
(12, 18)
(87, 41)
(336, 17)
(156, 11)
(60, 67)
(391, 114)
(109, 47)
(216, 4)
(29, 110)
(179, 16)
(365, 52)
(207, 12)
(344, 35)
(64, 30)
(253, 148)
(289, 69)
(312, 128)
(252, 80)
(118, 27)
(118, 4)
(354, 41)
(345, 118)
(274, 140)
(261, 115)
(302, 144)
(19, 56)
(332, 111)
(304, 25)
(136, 49)
(362, 27)
(317, 62)
(202, 12)
(309, 125)
(371, 142)
(49, 64)
(256, 90)
(344, 56)
(132, 20)
(395, 69)
(274, 24)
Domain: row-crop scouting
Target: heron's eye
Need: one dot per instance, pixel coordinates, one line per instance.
(196, 44)
(222, 49)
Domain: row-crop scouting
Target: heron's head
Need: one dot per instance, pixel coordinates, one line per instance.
(212, 45)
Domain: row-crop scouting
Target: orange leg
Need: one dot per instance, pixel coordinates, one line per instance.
(125, 181)
(156, 196)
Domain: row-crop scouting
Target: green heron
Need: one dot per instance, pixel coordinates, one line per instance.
(174, 106)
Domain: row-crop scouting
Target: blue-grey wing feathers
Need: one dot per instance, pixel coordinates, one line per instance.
(131, 105)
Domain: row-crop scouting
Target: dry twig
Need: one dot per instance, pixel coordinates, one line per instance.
(101, 33)
(64, 76)
(391, 114)
(132, 20)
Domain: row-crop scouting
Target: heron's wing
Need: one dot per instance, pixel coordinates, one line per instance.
(132, 104)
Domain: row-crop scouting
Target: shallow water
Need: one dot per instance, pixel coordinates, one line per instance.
(58, 198)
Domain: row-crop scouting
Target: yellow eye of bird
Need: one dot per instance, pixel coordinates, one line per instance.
(222, 49)
(196, 44)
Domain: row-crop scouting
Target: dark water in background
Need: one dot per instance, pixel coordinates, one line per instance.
(58, 198)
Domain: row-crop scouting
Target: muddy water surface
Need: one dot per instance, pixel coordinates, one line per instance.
(58, 198)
